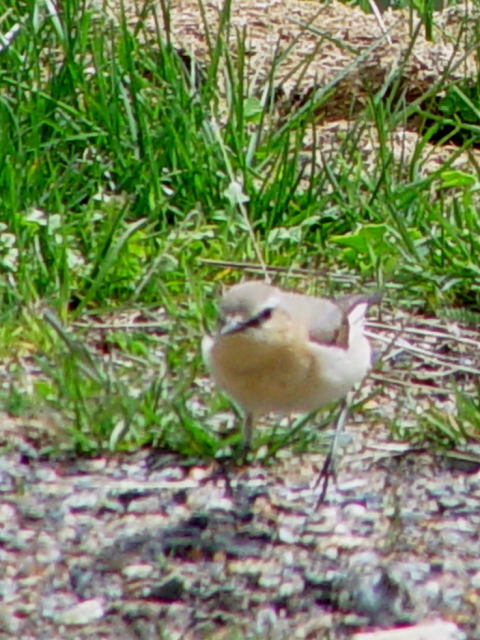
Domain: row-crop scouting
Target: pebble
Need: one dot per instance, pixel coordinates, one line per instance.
(83, 501)
(168, 474)
(287, 536)
(269, 581)
(440, 630)
(475, 580)
(266, 620)
(331, 553)
(9, 622)
(83, 613)
(292, 587)
(354, 510)
(144, 505)
(137, 571)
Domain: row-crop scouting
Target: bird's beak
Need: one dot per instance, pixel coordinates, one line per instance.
(232, 324)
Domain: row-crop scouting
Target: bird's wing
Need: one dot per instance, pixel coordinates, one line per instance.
(322, 318)
(329, 322)
(349, 302)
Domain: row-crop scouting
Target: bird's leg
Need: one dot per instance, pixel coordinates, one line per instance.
(240, 455)
(247, 432)
(329, 466)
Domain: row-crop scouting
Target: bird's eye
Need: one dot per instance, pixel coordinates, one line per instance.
(260, 318)
(266, 314)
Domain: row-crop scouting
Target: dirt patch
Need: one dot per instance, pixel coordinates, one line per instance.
(310, 45)
(294, 49)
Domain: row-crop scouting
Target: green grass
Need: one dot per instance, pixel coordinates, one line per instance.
(119, 174)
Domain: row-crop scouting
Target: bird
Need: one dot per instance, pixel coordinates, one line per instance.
(278, 351)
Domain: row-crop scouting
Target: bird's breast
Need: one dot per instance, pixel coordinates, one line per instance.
(261, 375)
(286, 374)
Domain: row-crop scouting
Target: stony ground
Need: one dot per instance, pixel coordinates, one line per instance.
(140, 546)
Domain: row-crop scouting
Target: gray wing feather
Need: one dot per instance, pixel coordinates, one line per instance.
(321, 316)
(326, 320)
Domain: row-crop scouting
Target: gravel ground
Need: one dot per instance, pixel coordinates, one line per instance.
(139, 546)
(142, 547)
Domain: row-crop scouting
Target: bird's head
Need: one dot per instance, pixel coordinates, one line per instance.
(249, 306)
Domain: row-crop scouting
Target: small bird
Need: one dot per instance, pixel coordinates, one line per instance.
(280, 351)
